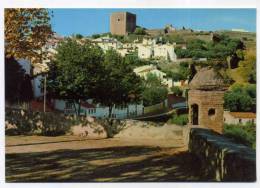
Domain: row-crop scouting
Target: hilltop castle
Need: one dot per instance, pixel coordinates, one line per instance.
(122, 23)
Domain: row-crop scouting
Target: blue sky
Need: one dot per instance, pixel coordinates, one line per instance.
(91, 21)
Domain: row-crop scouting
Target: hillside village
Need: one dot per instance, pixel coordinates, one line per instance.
(189, 94)
(159, 54)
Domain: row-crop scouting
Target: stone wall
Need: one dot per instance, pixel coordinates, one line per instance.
(207, 100)
(22, 122)
(222, 159)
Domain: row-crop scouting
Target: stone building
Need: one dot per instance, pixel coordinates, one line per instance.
(122, 23)
(206, 99)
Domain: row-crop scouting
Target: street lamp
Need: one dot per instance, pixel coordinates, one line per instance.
(44, 94)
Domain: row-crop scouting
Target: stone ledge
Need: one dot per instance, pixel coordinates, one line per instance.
(221, 158)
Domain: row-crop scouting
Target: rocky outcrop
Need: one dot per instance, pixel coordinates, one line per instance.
(221, 158)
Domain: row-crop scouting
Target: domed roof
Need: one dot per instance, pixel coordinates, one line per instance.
(207, 79)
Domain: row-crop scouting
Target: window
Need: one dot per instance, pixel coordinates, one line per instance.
(118, 19)
(68, 105)
(240, 120)
(211, 112)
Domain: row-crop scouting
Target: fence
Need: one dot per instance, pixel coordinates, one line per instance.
(155, 108)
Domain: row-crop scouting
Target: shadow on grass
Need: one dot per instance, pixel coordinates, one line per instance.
(115, 164)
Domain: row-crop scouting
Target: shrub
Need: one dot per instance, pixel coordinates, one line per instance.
(177, 90)
(243, 134)
(28, 123)
(112, 126)
(179, 119)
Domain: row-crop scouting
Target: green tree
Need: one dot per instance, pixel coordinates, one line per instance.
(240, 98)
(78, 36)
(118, 84)
(153, 92)
(95, 36)
(139, 31)
(75, 72)
(177, 90)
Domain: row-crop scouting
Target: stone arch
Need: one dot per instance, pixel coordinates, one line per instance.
(195, 114)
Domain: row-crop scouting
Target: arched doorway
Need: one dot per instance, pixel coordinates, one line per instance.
(195, 114)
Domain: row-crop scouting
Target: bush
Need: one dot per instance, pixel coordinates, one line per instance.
(240, 97)
(112, 126)
(243, 134)
(29, 123)
(140, 31)
(177, 90)
(179, 119)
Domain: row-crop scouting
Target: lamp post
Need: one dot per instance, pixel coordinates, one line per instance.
(44, 94)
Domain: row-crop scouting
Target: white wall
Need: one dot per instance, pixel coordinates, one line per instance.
(102, 112)
(229, 119)
(145, 52)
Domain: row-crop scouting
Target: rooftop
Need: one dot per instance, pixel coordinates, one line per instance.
(245, 115)
(207, 79)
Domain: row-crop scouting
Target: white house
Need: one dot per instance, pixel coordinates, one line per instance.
(96, 110)
(165, 51)
(143, 71)
(145, 51)
(106, 43)
(239, 117)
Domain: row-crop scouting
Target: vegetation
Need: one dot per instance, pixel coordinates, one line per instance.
(140, 31)
(243, 134)
(179, 72)
(133, 60)
(26, 32)
(181, 119)
(18, 86)
(117, 84)
(82, 71)
(154, 92)
(74, 72)
(220, 49)
(241, 98)
(177, 90)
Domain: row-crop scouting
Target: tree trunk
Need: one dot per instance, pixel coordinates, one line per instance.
(110, 108)
(79, 107)
(75, 108)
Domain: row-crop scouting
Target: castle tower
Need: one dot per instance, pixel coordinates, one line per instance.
(206, 100)
(122, 23)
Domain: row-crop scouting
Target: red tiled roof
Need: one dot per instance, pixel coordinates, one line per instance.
(87, 105)
(246, 115)
(38, 106)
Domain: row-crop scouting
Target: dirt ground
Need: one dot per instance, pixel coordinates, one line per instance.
(77, 159)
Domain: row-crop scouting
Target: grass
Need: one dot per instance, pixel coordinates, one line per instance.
(181, 119)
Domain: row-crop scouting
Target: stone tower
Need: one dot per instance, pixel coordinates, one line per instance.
(122, 23)
(206, 100)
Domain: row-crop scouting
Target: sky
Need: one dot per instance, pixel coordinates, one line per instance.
(92, 21)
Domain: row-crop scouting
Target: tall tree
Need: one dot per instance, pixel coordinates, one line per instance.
(26, 32)
(14, 75)
(75, 72)
(154, 92)
(119, 85)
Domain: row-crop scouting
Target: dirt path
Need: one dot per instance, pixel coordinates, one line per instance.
(73, 159)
